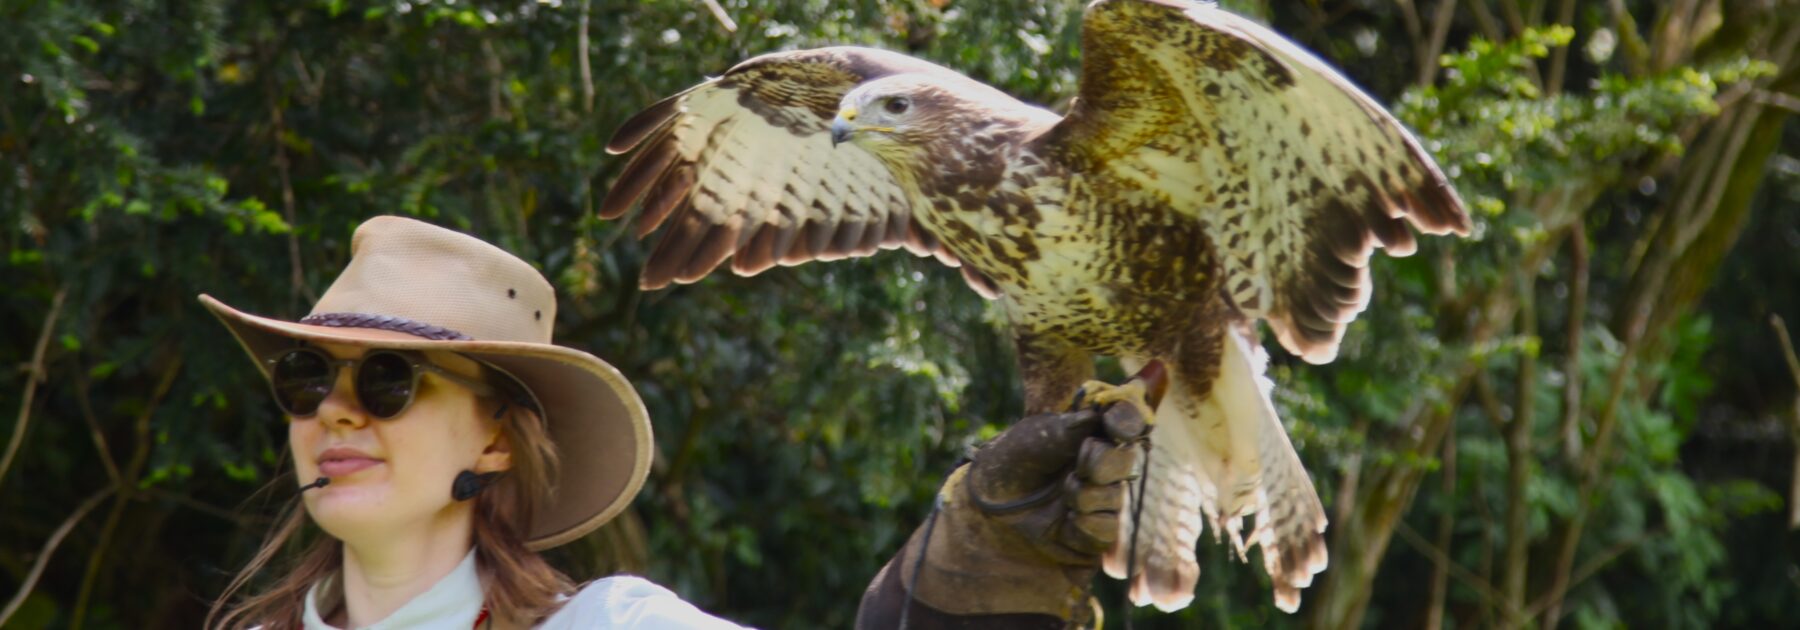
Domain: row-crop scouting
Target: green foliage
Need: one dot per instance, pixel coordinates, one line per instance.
(151, 151)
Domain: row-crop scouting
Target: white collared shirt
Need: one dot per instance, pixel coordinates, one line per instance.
(455, 602)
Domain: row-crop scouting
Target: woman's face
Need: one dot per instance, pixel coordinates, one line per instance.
(393, 476)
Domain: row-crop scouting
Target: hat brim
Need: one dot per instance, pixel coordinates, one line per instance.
(595, 418)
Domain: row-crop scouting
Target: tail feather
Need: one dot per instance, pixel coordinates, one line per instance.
(1174, 500)
(1218, 457)
(1290, 519)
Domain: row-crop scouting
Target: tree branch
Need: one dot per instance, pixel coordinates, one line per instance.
(719, 13)
(1778, 99)
(1360, 541)
(297, 275)
(1485, 22)
(1787, 346)
(1671, 41)
(205, 508)
(1793, 363)
(126, 488)
(1592, 566)
(1514, 572)
(43, 556)
(95, 560)
(1490, 402)
(1409, 16)
(1515, 18)
(1481, 588)
(1434, 46)
(35, 376)
(1446, 530)
(1631, 44)
(496, 81)
(1570, 427)
(1352, 479)
(1559, 58)
(581, 56)
(1485, 516)
(83, 399)
(1589, 475)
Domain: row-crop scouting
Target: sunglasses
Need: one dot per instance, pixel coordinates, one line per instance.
(386, 381)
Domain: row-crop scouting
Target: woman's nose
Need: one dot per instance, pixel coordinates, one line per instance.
(341, 409)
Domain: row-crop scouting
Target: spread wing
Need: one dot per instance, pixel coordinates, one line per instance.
(1296, 174)
(742, 167)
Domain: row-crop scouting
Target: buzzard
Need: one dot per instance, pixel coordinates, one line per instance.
(1209, 173)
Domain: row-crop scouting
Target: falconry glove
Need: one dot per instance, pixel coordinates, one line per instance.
(1020, 529)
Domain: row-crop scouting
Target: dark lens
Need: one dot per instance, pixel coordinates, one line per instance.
(384, 384)
(301, 380)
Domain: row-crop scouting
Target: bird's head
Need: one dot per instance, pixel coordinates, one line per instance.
(887, 114)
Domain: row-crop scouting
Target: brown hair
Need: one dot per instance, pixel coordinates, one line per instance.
(520, 586)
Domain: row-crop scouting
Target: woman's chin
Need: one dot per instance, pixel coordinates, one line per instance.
(349, 510)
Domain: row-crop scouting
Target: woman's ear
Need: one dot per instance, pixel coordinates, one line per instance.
(497, 455)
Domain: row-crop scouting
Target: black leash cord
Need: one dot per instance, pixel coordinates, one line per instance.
(1137, 513)
(912, 583)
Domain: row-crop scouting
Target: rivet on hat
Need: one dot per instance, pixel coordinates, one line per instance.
(511, 293)
(537, 314)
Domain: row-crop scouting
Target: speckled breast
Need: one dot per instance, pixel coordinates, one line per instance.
(1118, 274)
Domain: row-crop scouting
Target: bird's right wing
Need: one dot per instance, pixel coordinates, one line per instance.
(1295, 174)
(742, 167)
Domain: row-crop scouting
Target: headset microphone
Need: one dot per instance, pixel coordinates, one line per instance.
(322, 482)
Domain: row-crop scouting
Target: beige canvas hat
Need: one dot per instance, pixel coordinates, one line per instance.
(415, 286)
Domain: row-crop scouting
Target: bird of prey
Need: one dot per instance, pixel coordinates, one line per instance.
(1209, 173)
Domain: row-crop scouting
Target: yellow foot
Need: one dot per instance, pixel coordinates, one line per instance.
(1102, 393)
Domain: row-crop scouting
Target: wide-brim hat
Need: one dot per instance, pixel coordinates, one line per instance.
(411, 285)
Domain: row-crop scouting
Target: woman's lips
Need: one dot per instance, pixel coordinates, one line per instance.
(340, 461)
(335, 468)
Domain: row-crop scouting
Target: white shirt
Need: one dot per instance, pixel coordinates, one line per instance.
(455, 602)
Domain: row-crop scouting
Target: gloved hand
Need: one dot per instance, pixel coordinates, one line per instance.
(1021, 528)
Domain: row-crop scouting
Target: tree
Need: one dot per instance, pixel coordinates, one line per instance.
(1535, 412)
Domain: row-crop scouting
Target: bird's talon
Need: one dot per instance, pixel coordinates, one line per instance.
(1101, 394)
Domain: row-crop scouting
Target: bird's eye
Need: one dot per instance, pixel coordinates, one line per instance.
(898, 105)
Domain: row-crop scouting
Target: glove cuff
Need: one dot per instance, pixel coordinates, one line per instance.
(975, 565)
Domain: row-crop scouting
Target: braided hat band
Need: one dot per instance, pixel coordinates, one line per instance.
(385, 322)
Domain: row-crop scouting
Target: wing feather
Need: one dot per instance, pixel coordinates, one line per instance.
(642, 124)
(1296, 174)
(742, 168)
(670, 191)
(642, 171)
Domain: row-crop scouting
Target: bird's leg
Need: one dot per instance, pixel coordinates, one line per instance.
(1133, 392)
(1052, 368)
(1143, 391)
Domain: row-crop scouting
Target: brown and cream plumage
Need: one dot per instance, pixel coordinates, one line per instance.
(1210, 173)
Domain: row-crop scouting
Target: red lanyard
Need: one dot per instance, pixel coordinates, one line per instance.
(484, 617)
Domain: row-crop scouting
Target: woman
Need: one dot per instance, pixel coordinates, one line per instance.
(440, 441)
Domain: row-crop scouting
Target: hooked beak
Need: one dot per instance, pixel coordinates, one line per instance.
(841, 130)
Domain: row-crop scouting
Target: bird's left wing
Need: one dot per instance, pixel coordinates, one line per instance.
(742, 167)
(1295, 173)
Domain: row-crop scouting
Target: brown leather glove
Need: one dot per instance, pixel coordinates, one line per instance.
(1020, 530)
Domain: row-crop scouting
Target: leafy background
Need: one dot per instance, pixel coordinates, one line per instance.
(1579, 416)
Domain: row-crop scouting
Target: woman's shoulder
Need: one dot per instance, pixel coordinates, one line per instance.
(628, 601)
